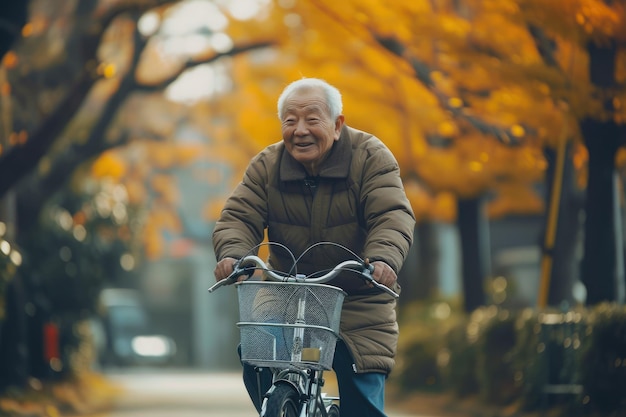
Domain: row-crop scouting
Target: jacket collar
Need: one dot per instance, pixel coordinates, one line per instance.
(337, 165)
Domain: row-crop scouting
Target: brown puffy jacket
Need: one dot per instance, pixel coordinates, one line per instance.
(357, 201)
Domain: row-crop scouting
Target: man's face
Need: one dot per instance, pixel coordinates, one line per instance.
(308, 130)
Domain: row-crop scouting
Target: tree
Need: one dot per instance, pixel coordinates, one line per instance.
(464, 111)
(13, 16)
(603, 136)
(65, 102)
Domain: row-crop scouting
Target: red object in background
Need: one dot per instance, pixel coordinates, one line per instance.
(181, 248)
(50, 341)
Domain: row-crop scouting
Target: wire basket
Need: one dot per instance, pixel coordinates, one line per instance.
(289, 324)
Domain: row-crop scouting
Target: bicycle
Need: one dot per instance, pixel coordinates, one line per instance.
(289, 323)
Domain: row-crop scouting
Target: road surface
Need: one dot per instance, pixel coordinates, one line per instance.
(181, 393)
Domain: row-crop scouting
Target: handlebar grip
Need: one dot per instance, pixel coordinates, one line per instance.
(370, 269)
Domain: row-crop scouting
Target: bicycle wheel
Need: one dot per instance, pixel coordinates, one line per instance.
(333, 411)
(284, 402)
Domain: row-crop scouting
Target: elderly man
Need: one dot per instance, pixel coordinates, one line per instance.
(326, 181)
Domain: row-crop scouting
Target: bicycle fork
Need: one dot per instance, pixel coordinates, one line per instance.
(306, 383)
(308, 386)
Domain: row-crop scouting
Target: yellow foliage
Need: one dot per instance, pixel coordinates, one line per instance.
(580, 19)
(165, 186)
(156, 66)
(515, 198)
(79, 218)
(383, 95)
(620, 158)
(108, 164)
(426, 77)
(161, 156)
(580, 156)
(137, 192)
(10, 60)
(444, 207)
(420, 199)
(107, 70)
(429, 206)
(163, 219)
(153, 241)
(87, 393)
(188, 153)
(213, 208)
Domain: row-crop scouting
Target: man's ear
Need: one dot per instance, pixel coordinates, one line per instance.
(338, 125)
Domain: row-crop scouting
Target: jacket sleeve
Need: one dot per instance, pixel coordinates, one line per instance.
(387, 212)
(242, 221)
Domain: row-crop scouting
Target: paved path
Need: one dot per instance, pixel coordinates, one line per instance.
(153, 393)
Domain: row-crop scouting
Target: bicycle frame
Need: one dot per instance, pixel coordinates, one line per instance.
(308, 382)
(305, 379)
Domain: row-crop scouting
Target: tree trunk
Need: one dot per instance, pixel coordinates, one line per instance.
(408, 276)
(13, 15)
(418, 276)
(599, 265)
(428, 261)
(620, 272)
(602, 138)
(564, 272)
(14, 358)
(474, 237)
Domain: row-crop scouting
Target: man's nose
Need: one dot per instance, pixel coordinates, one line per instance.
(301, 128)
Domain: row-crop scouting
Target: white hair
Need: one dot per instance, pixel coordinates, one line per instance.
(333, 96)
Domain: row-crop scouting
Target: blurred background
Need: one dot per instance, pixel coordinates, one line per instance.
(125, 124)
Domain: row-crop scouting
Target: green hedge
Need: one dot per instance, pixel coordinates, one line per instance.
(569, 362)
(603, 363)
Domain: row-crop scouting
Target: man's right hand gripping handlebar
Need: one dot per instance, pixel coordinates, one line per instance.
(229, 270)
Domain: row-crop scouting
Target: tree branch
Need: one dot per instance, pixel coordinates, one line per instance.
(422, 73)
(36, 190)
(19, 160)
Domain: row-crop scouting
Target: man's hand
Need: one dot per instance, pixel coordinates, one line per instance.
(384, 274)
(224, 268)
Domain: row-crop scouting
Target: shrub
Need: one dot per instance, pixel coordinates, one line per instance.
(603, 370)
(567, 361)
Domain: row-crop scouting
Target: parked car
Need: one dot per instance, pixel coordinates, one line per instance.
(127, 336)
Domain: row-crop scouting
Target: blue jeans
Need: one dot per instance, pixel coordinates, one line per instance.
(362, 395)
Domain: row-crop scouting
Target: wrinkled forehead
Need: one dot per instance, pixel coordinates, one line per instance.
(307, 99)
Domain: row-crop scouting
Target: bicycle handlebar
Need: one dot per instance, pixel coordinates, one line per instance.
(241, 268)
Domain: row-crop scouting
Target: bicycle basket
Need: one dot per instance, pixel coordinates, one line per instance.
(289, 324)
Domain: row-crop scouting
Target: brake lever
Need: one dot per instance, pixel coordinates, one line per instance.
(232, 278)
(226, 281)
(367, 273)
